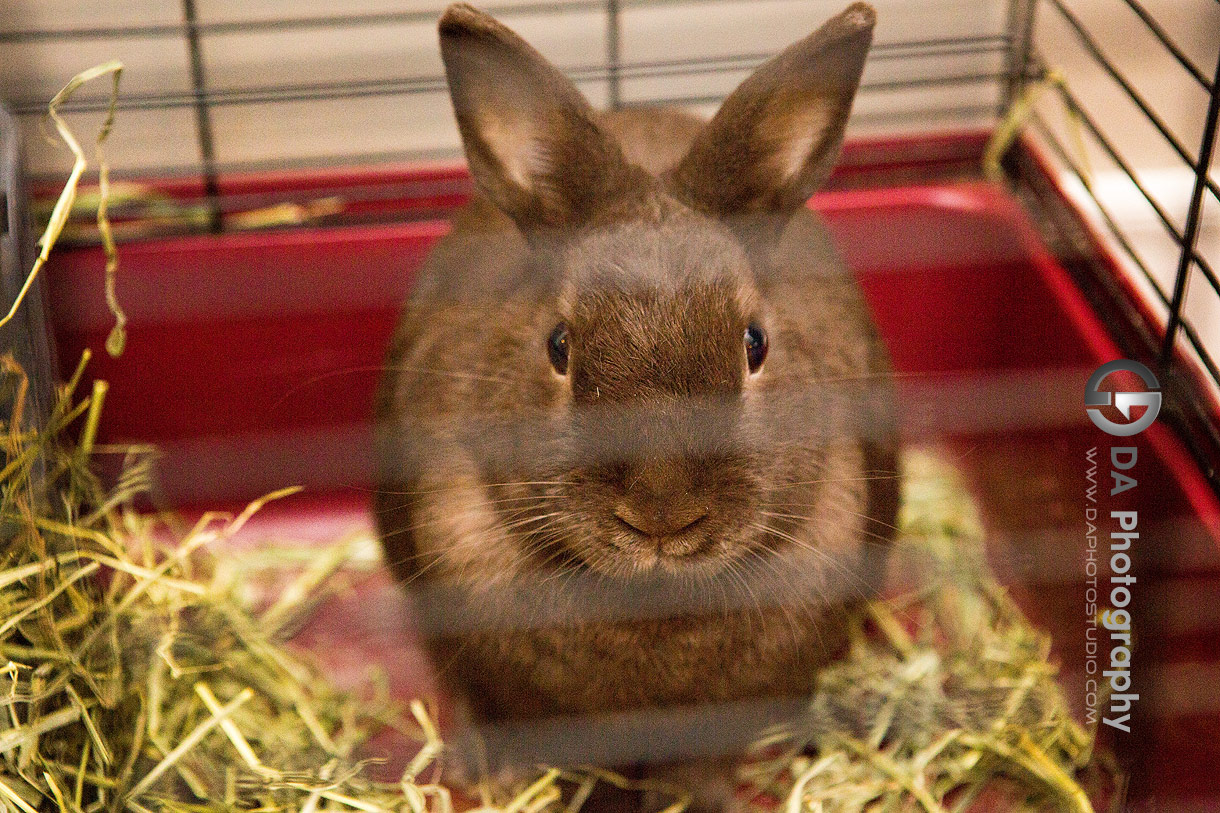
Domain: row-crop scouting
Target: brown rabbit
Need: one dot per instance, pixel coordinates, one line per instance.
(637, 446)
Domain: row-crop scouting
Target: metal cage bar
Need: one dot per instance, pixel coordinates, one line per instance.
(1090, 45)
(203, 117)
(1179, 237)
(1203, 436)
(614, 71)
(1194, 219)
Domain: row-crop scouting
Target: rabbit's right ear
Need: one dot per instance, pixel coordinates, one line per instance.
(530, 138)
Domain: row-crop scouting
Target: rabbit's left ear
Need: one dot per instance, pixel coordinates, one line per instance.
(776, 138)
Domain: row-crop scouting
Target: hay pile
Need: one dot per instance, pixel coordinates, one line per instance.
(946, 697)
(132, 676)
(135, 674)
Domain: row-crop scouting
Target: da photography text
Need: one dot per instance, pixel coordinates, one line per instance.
(1109, 580)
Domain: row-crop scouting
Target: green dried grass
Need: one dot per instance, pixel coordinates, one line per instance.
(156, 687)
(57, 218)
(962, 708)
(161, 687)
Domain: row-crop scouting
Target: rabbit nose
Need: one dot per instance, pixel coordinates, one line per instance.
(656, 518)
(659, 498)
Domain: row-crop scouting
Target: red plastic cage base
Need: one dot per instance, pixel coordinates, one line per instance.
(252, 360)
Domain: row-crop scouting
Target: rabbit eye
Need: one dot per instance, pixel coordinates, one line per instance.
(557, 348)
(756, 346)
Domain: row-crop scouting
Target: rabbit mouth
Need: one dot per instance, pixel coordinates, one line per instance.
(674, 555)
(621, 549)
(657, 563)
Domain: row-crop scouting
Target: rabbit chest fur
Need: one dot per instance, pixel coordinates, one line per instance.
(636, 429)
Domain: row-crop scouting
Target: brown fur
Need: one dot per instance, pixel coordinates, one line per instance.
(658, 528)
